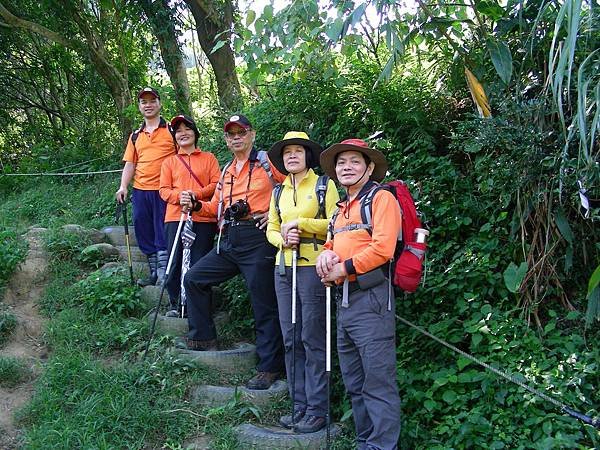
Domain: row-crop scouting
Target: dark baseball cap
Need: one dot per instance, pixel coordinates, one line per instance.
(148, 90)
(238, 119)
(175, 121)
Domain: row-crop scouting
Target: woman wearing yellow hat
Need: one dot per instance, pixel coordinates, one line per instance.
(298, 217)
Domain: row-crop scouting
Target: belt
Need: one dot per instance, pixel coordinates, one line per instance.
(352, 287)
(240, 223)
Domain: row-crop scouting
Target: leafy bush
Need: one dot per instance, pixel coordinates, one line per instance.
(13, 371)
(13, 250)
(65, 246)
(106, 292)
(8, 323)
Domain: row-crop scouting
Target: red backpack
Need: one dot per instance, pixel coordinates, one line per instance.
(407, 265)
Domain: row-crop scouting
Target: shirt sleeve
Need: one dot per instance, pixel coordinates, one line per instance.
(274, 226)
(319, 226)
(166, 191)
(387, 224)
(277, 175)
(129, 155)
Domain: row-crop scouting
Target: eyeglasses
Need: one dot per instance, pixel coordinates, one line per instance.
(233, 134)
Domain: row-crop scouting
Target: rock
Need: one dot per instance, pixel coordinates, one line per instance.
(116, 235)
(170, 326)
(198, 443)
(136, 254)
(207, 395)
(92, 234)
(276, 438)
(102, 252)
(239, 359)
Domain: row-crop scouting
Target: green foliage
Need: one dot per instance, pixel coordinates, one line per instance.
(82, 403)
(65, 246)
(13, 249)
(108, 292)
(8, 323)
(13, 371)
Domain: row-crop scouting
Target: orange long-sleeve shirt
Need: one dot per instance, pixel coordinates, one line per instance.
(175, 178)
(235, 187)
(360, 251)
(149, 152)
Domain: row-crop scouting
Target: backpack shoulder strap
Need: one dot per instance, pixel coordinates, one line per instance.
(263, 159)
(221, 187)
(321, 191)
(366, 207)
(277, 190)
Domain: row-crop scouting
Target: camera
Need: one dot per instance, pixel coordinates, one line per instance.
(239, 210)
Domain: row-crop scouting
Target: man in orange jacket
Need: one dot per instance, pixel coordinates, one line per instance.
(356, 260)
(146, 149)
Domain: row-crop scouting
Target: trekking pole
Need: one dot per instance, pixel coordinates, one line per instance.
(328, 358)
(162, 288)
(294, 293)
(122, 211)
(187, 239)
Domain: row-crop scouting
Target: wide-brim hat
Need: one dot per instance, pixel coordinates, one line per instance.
(291, 138)
(328, 158)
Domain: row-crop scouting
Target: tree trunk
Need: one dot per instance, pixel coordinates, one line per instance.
(210, 22)
(116, 82)
(161, 21)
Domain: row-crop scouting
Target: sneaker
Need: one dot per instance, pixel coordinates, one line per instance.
(286, 421)
(262, 380)
(310, 424)
(172, 313)
(201, 346)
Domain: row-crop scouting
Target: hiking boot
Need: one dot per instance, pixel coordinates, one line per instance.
(201, 346)
(151, 280)
(262, 380)
(286, 421)
(310, 424)
(162, 259)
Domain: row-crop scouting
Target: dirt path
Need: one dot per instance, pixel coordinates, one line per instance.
(21, 297)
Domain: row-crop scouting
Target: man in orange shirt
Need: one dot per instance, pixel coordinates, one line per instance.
(240, 204)
(356, 259)
(195, 172)
(147, 148)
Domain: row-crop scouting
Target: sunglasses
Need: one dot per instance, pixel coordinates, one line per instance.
(233, 134)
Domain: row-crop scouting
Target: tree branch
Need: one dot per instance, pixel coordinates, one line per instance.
(17, 22)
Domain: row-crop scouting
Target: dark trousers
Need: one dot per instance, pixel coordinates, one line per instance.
(148, 219)
(367, 352)
(203, 243)
(309, 382)
(244, 249)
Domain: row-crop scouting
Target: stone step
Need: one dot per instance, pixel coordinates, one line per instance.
(237, 360)
(276, 438)
(213, 396)
(178, 326)
(92, 234)
(198, 443)
(116, 235)
(136, 254)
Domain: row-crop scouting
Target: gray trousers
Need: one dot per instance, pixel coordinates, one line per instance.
(367, 352)
(309, 365)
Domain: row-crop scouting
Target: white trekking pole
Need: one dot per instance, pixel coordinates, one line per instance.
(162, 289)
(328, 359)
(294, 294)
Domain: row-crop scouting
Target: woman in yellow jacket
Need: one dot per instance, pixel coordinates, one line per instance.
(297, 219)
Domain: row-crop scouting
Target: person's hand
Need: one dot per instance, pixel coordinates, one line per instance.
(292, 238)
(121, 194)
(185, 200)
(286, 227)
(261, 219)
(325, 262)
(337, 271)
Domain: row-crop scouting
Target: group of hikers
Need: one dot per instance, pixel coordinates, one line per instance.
(286, 230)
